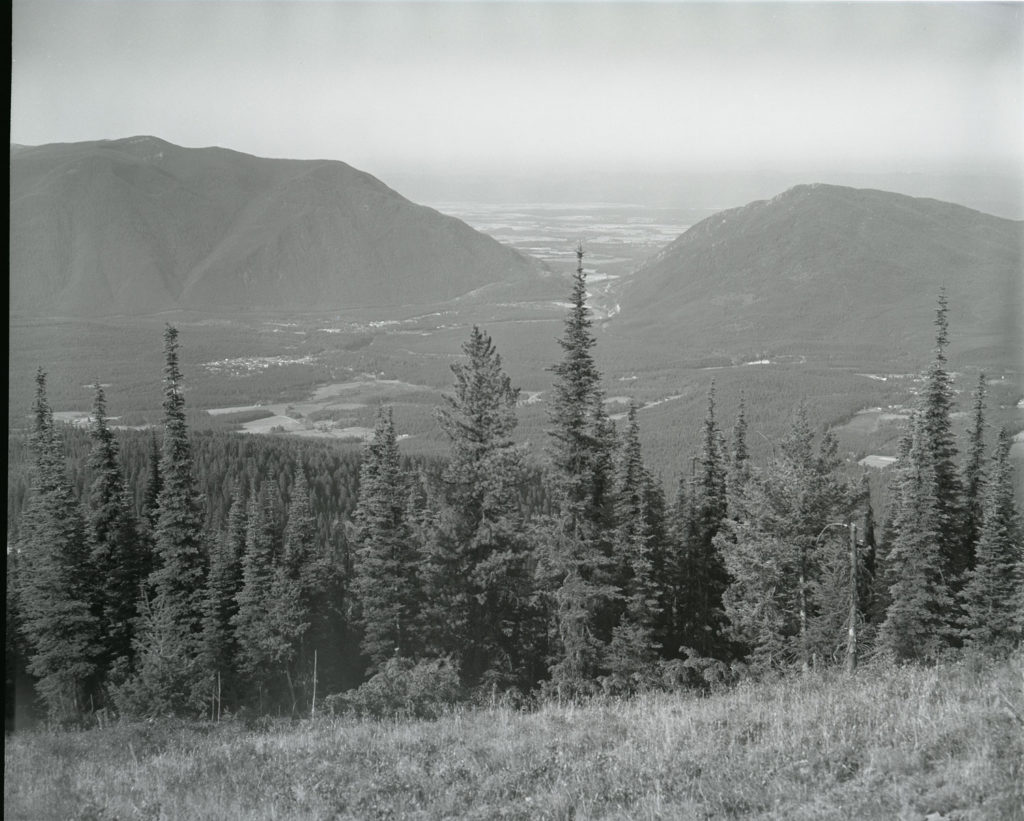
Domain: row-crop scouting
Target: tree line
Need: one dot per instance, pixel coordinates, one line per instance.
(576, 578)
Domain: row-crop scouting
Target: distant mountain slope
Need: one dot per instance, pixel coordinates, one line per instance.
(139, 225)
(834, 270)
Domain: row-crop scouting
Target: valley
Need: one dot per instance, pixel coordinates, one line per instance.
(681, 298)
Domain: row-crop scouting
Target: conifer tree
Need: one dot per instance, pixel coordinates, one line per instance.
(386, 566)
(170, 677)
(55, 584)
(256, 644)
(575, 565)
(974, 474)
(117, 553)
(154, 484)
(992, 599)
(778, 563)
(634, 647)
(916, 624)
(938, 446)
(479, 585)
(702, 577)
(739, 459)
(220, 606)
(303, 581)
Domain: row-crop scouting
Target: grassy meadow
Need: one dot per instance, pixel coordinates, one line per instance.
(906, 743)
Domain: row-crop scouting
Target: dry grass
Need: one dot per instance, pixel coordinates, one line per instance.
(902, 743)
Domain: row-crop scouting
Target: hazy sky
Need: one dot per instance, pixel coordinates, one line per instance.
(524, 87)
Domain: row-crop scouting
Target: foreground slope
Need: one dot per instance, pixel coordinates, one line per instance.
(838, 271)
(943, 742)
(138, 225)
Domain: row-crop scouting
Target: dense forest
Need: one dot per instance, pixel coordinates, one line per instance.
(208, 574)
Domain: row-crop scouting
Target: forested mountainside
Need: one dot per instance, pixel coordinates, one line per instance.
(138, 226)
(835, 271)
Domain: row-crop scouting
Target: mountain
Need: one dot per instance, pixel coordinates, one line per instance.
(138, 225)
(837, 271)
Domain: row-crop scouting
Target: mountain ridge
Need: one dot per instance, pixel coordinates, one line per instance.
(835, 266)
(139, 225)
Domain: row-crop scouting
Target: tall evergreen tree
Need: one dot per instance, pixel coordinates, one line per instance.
(479, 587)
(702, 577)
(220, 605)
(305, 578)
(154, 484)
(170, 675)
(938, 446)
(259, 646)
(974, 474)
(55, 579)
(739, 458)
(778, 563)
(117, 553)
(386, 568)
(575, 565)
(916, 624)
(635, 644)
(993, 601)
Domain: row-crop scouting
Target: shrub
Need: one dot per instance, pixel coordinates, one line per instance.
(402, 689)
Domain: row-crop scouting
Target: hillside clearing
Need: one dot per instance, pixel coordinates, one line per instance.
(914, 743)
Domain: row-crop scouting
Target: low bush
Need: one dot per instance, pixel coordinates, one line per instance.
(402, 689)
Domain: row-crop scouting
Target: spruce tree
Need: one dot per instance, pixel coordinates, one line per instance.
(916, 623)
(303, 581)
(974, 474)
(739, 459)
(220, 605)
(702, 577)
(55, 582)
(154, 484)
(170, 676)
(256, 645)
(575, 565)
(938, 447)
(479, 586)
(634, 648)
(118, 555)
(992, 599)
(386, 566)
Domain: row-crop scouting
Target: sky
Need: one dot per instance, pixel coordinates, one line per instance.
(534, 87)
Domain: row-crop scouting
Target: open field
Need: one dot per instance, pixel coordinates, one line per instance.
(907, 743)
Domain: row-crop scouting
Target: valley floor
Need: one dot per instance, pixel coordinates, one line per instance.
(906, 743)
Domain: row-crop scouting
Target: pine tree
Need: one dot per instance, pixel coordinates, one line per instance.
(993, 601)
(303, 581)
(634, 648)
(916, 623)
(974, 475)
(575, 563)
(170, 677)
(938, 446)
(54, 579)
(117, 553)
(739, 460)
(702, 577)
(256, 644)
(154, 484)
(479, 584)
(386, 567)
(220, 606)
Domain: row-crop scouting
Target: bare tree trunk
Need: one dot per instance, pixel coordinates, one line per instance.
(851, 641)
(312, 709)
